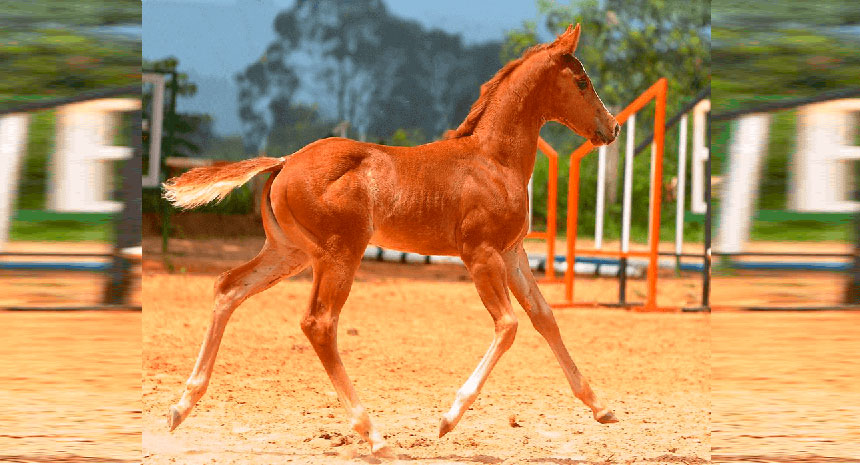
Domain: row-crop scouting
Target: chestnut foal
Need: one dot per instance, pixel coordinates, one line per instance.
(465, 195)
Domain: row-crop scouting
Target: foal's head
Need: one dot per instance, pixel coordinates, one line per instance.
(571, 97)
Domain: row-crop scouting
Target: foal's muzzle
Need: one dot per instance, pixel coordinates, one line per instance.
(603, 138)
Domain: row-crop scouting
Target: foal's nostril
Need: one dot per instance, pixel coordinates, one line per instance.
(616, 130)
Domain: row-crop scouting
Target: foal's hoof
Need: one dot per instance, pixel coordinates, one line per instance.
(382, 450)
(174, 419)
(605, 416)
(445, 427)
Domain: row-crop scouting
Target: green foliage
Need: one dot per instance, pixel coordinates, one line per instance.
(518, 40)
(238, 202)
(627, 45)
(30, 14)
(184, 86)
(800, 231)
(294, 127)
(407, 137)
(33, 183)
(51, 49)
(61, 231)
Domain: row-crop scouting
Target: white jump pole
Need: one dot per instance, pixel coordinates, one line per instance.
(601, 193)
(650, 192)
(701, 153)
(152, 178)
(749, 143)
(628, 183)
(13, 143)
(682, 184)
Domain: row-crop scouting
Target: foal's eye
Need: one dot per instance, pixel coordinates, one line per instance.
(582, 84)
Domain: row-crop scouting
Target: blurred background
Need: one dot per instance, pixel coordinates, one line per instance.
(69, 223)
(784, 143)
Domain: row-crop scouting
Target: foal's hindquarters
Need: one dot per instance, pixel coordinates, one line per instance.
(287, 252)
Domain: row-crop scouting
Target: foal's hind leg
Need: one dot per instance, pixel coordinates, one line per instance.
(270, 266)
(332, 281)
(525, 289)
(487, 268)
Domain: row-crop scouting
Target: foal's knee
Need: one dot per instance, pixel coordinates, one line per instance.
(227, 291)
(506, 328)
(318, 329)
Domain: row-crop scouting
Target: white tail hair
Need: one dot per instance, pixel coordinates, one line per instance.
(212, 183)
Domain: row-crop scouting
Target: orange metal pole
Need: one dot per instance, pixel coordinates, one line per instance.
(572, 216)
(552, 206)
(656, 191)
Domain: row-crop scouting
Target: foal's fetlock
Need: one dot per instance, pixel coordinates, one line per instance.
(180, 410)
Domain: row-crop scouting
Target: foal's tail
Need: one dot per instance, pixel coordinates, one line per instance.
(205, 184)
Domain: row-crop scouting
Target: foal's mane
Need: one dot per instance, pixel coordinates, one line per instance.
(488, 93)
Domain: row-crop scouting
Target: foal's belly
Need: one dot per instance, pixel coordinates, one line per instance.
(422, 223)
(422, 237)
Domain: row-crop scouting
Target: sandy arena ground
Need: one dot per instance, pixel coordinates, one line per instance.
(409, 336)
(69, 381)
(784, 387)
(70, 388)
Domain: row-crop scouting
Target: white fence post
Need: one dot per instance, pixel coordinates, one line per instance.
(701, 153)
(601, 193)
(80, 177)
(822, 178)
(154, 126)
(628, 183)
(13, 144)
(682, 184)
(749, 143)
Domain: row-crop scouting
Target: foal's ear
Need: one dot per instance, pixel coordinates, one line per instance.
(566, 43)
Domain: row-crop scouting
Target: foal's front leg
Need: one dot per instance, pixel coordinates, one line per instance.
(525, 289)
(487, 268)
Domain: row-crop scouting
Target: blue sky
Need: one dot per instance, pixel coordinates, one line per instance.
(183, 27)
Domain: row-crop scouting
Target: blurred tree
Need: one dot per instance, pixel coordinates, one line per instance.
(355, 62)
(627, 45)
(62, 48)
(783, 50)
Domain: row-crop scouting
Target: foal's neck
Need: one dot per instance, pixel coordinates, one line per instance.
(511, 125)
